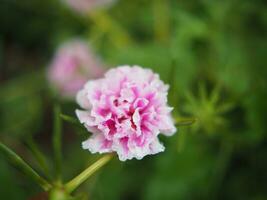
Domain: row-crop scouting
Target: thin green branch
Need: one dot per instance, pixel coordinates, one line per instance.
(78, 180)
(18, 162)
(57, 137)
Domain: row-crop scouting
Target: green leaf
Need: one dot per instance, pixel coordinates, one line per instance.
(18, 162)
(215, 95)
(202, 89)
(185, 121)
(38, 154)
(77, 123)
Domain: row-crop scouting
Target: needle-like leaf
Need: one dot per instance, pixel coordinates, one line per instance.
(18, 162)
(38, 154)
(185, 121)
(71, 120)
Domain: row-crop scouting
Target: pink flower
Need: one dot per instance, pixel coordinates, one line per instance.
(85, 6)
(125, 111)
(72, 66)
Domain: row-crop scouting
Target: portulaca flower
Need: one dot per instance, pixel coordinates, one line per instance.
(125, 111)
(73, 65)
(85, 6)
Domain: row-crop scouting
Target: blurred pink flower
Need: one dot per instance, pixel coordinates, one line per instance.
(85, 6)
(126, 111)
(72, 66)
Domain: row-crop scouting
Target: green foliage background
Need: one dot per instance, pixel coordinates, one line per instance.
(212, 53)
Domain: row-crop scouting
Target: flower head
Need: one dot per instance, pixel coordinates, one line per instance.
(72, 66)
(85, 6)
(208, 108)
(125, 111)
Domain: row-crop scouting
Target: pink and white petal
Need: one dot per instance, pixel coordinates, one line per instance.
(122, 148)
(82, 99)
(85, 117)
(97, 143)
(140, 103)
(166, 125)
(156, 147)
(137, 122)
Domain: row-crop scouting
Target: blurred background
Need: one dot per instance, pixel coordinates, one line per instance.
(212, 53)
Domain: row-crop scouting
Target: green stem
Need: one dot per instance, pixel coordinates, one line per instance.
(57, 137)
(161, 11)
(18, 162)
(78, 180)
